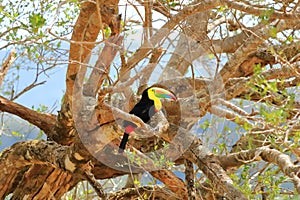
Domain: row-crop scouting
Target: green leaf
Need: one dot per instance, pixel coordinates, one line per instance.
(107, 32)
(58, 44)
(273, 32)
(205, 124)
(36, 21)
(40, 135)
(136, 182)
(290, 38)
(265, 15)
(145, 196)
(17, 134)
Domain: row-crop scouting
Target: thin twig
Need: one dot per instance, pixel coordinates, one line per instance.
(26, 89)
(92, 181)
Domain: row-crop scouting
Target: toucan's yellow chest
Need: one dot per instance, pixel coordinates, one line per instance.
(157, 102)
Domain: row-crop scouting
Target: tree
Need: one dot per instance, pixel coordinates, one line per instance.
(234, 63)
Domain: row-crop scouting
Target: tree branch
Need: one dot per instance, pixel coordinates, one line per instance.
(112, 45)
(250, 46)
(172, 182)
(165, 29)
(87, 29)
(255, 10)
(6, 65)
(27, 153)
(203, 158)
(282, 160)
(43, 121)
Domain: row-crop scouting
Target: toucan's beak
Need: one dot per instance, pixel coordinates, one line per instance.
(163, 93)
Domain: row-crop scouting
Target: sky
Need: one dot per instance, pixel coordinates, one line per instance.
(49, 94)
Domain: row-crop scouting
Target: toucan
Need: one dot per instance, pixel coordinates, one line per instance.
(148, 105)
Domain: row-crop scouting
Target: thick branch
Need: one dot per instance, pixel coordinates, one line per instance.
(86, 30)
(190, 179)
(46, 184)
(172, 182)
(43, 121)
(235, 86)
(27, 153)
(249, 47)
(102, 66)
(44, 158)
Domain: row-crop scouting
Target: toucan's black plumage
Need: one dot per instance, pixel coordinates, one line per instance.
(145, 109)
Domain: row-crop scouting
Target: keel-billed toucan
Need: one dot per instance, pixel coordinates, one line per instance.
(148, 105)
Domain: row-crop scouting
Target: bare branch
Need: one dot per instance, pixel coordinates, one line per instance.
(43, 121)
(232, 107)
(92, 180)
(234, 117)
(102, 66)
(27, 88)
(267, 154)
(165, 29)
(256, 10)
